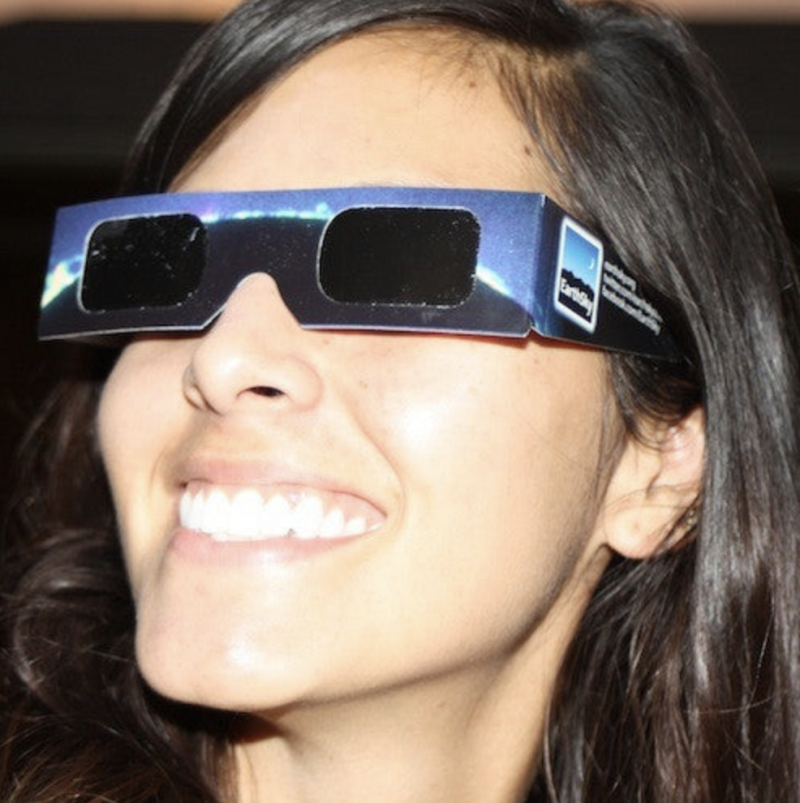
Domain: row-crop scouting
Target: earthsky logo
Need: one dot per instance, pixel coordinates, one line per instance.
(578, 273)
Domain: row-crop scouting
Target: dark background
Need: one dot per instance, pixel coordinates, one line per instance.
(72, 95)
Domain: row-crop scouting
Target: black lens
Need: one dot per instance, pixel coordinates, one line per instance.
(153, 261)
(390, 255)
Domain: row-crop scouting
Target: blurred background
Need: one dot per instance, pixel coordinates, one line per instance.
(78, 76)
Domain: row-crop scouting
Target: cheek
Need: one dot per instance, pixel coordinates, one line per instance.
(482, 408)
(496, 449)
(136, 422)
(118, 417)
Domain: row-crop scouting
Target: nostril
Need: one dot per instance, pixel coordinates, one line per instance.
(269, 392)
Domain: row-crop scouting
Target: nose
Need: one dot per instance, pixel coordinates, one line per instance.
(255, 349)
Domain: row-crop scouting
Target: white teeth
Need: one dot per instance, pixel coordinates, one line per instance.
(332, 525)
(247, 517)
(195, 521)
(276, 517)
(215, 513)
(186, 512)
(245, 513)
(192, 511)
(307, 517)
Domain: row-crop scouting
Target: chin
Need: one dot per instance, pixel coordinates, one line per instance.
(225, 684)
(237, 664)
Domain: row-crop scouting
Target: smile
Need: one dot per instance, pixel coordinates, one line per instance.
(249, 514)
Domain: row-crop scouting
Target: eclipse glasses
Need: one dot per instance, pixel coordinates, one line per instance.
(375, 258)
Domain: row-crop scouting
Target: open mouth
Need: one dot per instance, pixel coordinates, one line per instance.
(255, 514)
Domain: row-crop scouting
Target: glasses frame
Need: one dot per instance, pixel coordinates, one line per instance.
(528, 247)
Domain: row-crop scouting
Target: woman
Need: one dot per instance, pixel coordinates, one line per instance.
(484, 567)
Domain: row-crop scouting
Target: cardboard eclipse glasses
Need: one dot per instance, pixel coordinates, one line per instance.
(376, 258)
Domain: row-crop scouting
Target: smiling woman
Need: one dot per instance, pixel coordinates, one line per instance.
(326, 426)
(524, 534)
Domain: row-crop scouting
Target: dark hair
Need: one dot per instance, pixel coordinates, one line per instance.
(682, 682)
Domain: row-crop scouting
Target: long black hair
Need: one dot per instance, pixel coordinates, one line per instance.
(683, 681)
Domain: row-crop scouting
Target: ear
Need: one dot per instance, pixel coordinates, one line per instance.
(649, 501)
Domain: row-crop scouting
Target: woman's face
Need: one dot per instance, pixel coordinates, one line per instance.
(447, 488)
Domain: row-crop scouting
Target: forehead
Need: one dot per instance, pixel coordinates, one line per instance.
(388, 107)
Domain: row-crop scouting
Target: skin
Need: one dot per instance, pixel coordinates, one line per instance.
(415, 663)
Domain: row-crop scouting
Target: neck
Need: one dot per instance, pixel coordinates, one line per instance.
(474, 734)
(475, 739)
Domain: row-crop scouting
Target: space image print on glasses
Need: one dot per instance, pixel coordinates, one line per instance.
(375, 258)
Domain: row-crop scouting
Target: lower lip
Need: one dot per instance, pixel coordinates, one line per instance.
(200, 548)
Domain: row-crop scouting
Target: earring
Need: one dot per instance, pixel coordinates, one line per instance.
(691, 518)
